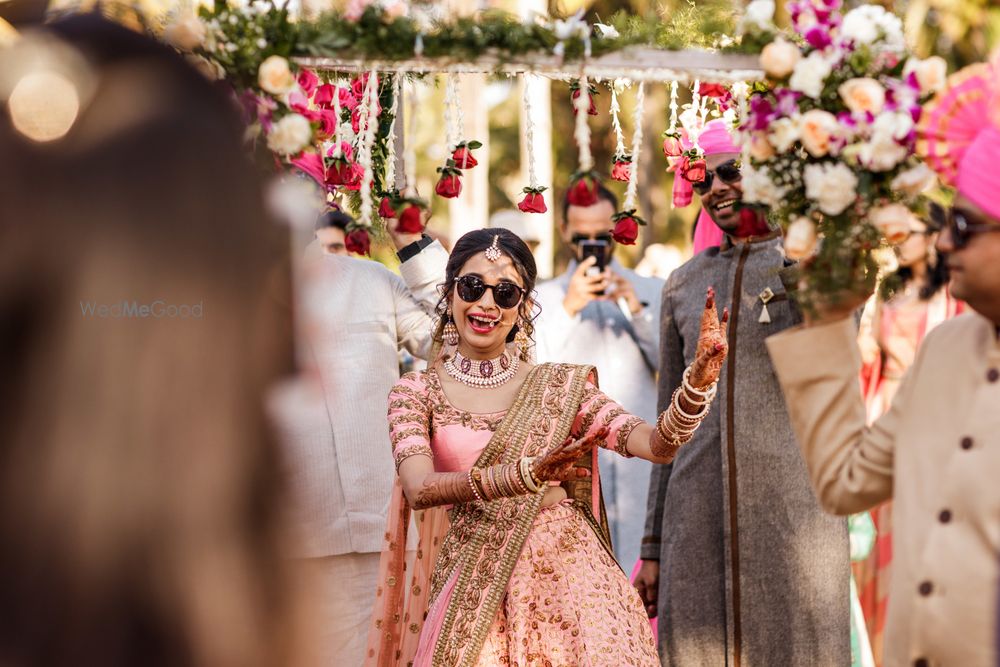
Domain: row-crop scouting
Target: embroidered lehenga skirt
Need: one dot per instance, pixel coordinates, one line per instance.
(568, 604)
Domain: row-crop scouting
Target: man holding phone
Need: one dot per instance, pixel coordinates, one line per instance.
(598, 312)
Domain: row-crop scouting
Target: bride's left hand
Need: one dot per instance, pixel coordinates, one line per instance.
(712, 345)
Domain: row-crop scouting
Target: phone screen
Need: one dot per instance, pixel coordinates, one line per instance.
(596, 249)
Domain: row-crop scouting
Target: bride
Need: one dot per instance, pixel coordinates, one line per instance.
(514, 564)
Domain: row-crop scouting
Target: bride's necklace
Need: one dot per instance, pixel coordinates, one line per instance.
(484, 373)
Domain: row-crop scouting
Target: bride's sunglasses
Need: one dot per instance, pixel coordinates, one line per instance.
(729, 172)
(506, 294)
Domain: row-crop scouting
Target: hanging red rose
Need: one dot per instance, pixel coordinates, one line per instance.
(358, 241)
(533, 201)
(622, 168)
(344, 172)
(357, 176)
(462, 157)
(626, 229)
(592, 109)
(385, 209)
(411, 220)
(582, 191)
(693, 169)
(307, 81)
(713, 90)
(449, 187)
(672, 146)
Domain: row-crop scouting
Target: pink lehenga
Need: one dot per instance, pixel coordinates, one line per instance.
(507, 582)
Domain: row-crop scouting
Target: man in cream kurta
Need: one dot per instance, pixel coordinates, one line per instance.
(936, 452)
(353, 317)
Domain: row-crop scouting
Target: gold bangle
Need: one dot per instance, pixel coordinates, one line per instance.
(475, 491)
(527, 477)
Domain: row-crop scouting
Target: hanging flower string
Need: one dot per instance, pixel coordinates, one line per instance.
(449, 185)
(533, 201)
(409, 206)
(672, 146)
(358, 239)
(390, 194)
(627, 222)
(583, 184)
(620, 167)
(692, 166)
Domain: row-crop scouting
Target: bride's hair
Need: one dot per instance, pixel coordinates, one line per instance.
(510, 244)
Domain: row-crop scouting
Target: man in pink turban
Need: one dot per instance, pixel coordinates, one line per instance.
(936, 452)
(740, 563)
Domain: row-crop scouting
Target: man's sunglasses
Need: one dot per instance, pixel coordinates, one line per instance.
(962, 229)
(576, 239)
(506, 294)
(729, 172)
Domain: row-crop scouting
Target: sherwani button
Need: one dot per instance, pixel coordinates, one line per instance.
(966, 442)
(993, 375)
(944, 516)
(925, 588)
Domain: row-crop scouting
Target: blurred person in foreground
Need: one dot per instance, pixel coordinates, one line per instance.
(139, 482)
(354, 316)
(598, 312)
(936, 451)
(734, 535)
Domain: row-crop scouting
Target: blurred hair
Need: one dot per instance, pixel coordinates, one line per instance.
(477, 241)
(603, 193)
(337, 219)
(139, 480)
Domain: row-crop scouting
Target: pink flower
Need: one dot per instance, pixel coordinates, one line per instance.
(343, 172)
(672, 147)
(712, 90)
(533, 202)
(347, 98)
(359, 84)
(693, 170)
(621, 171)
(324, 95)
(592, 111)
(308, 81)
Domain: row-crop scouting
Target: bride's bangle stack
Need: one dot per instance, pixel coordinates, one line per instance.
(676, 426)
(503, 481)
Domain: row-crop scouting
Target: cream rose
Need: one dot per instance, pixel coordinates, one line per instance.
(275, 76)
(914, 181)
(290, 135)
(186, 32)
(758, 187)
(810, 74)
(783, 133)
(832, 185)
(863, 95)
(800, 239)
(817, 128)
(779, 58)
(760, 148)
(931, 73)
(893, 220)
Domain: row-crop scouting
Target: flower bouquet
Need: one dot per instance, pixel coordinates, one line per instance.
(828, 141)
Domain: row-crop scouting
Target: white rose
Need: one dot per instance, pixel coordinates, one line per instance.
(779, 58)
(290, 135)
(275, 76)
(832, 185)
(186, 32)
(800, 239)
(863, 95)
(931, 73)
(895, 124)
(817, 128)
(759, 188)
(915, 180)
(760, 14)
(783, 133)
(809, 74)
(865, 24)
(893, 220)
(882, 153)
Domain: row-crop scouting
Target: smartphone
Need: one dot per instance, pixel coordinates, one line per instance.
(598, 249)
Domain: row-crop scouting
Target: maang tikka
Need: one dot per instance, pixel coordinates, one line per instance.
(493, 252)
(449, 333)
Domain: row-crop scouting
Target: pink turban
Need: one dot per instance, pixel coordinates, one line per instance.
(714, 139)
(978, 176)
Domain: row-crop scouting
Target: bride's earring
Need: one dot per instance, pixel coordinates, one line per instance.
(521, 340)
(449, 333)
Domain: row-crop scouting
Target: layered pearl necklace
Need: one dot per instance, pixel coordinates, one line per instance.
(484, 373)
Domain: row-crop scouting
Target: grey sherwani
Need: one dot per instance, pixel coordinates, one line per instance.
(752, 572)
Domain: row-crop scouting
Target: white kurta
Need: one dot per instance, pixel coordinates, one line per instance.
(936, 453)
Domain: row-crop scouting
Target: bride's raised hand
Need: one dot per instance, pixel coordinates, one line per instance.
(558, 462)
(712, 345)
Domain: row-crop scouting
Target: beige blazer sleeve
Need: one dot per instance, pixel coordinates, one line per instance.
(851, 465)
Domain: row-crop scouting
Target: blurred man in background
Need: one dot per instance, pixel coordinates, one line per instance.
(331, 232)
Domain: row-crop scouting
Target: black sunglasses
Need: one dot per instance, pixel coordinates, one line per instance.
(576, 239)
(729, 172)
(506, 294)
(962, 230)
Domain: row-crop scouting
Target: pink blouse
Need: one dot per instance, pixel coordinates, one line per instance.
(423, 421)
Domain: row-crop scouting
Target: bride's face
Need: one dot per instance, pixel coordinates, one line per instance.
(484, 322)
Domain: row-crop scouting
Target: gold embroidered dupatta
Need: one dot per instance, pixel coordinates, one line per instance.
(483, 541)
